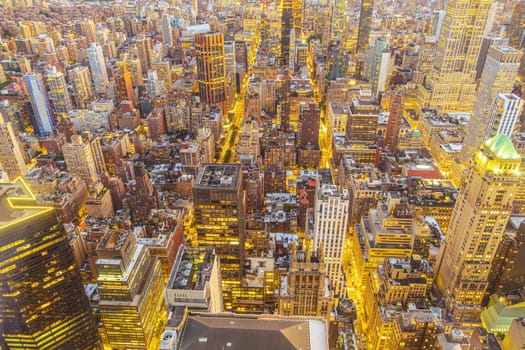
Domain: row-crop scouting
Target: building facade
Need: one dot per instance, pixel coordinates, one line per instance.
(43, 305)
(329, 231)
(499, 72)
(211, 68)
(485, 198)
(219, 220)
(97, 64)
(451, 85)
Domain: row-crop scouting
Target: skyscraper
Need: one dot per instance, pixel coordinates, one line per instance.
(303, 288)
(379, 65)
(505, 113)
(338, 61)
(43, 304)
(43, 120)
(437, 23)
(166, 30)
(517, 26)
(97, 64)
(308, 127)
(291, 18)
(395, 118)
(123, 82)
(365, 22)
(330, 227)
(131, 290)
(145, 52)
(211, 69)
(80, 160)
(58, 93)
(498, 76)
(451, 86)
(144, 196)
(477, 226)
(11, 156)
(488, 40)
(219, 219)
(80, 79)
(163, 70)
(338, 20)
(154, 86)
(87, 28)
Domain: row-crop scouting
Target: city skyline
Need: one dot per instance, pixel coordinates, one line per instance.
(284, 173)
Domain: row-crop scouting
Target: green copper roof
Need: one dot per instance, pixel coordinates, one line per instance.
(502, 147)
(416, 133)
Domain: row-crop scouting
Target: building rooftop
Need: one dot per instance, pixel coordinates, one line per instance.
(219, 175)
(326, 191)
(339, 107)
(253, 332)
(502, 147)
(451, 147)
(192, 268)
(17, 203)
(450, 119)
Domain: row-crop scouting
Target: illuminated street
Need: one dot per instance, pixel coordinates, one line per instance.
(227, 144)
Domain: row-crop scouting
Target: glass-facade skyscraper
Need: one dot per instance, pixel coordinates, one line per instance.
(43, 120)
(42, 301)
(219, 216)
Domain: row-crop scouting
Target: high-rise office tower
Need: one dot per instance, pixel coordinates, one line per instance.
(145, 52)
(488, 40)
(451, 86)
(505, 113)
(365, 22)
(291, 18)
(167, 35)
(338, 20)
(477, 226)
(43, 304)
(517, 26)
(308, 127)
(163, 70)
(230, 72)
(11, 156)
(219, 215)
(241, 55)
(498, 76)
(80, 79)
(330, 227)
(97, 64)
(154, 86)
(58, 93)
(379, 65)
(136, 71)
(131, 290)
(80, 160)
(211, 67)
(291, 51)
(437, 23)
(297, 11)
(229, 57)
(508, 269)
(123, 82)
(87, 28)
(338, 61)
(395, 118)
(362, 122)
(303, 288)
(43, 120)
(144, 196)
